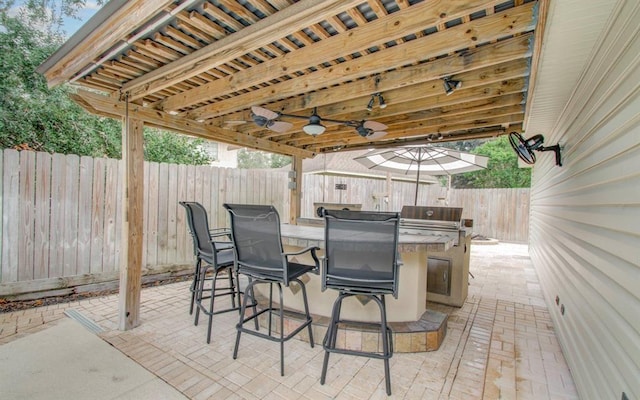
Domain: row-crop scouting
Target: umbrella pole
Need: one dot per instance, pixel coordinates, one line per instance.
(415, 201)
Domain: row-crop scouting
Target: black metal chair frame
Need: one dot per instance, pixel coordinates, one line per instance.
(349, 286)
(213, 255)
(271, 272)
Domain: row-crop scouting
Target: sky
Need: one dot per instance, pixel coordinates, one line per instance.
(70, 25)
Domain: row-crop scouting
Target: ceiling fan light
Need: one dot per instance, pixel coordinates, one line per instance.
(313, 129)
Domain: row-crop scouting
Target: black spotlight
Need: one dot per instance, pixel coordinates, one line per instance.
(383, 104)
(370, 105)
(450, 85)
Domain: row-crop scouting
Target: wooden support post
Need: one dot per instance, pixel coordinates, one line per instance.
(132, 221)
(295, 194)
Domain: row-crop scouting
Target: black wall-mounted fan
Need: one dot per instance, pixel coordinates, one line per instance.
(525, 147)
(270, 120)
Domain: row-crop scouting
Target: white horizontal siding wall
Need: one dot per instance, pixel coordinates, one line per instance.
(585, 217)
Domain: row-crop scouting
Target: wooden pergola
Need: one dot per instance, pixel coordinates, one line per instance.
(197, 67)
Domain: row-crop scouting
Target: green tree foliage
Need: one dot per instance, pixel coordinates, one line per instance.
(279, 160)
(502, 170)
(34, 116)
(183, 150)
(260, 159)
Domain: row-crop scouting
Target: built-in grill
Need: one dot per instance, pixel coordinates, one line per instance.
(418, 218)
(447, 271)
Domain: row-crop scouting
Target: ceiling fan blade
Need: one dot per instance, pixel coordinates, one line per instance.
(279, 126)
(376, 135)
(263, 112)
(374, 126)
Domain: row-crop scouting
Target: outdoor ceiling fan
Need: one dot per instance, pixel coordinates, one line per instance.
(270, 120)
(525, 147)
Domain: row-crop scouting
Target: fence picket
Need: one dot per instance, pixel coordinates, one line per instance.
(183, 239)
(27, 210)
(163, 213)
(85, 201)
(57, 227)
(152, 215)
(42, 211)
(109, 261)
(97, 215)
(10, 216)
(172, 209)
(71, 215)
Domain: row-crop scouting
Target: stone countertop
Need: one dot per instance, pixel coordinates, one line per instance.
(306, 235)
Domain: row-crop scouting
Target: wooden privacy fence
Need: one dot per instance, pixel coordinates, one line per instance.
(497, 213)
(61, 217)
(61, 214)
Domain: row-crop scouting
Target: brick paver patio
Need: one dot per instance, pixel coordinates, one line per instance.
(499, 345)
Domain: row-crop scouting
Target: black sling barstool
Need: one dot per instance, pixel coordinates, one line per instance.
(216, 255)
(361, 260)
(260, 256)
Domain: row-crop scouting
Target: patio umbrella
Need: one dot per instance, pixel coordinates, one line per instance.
(418, 159)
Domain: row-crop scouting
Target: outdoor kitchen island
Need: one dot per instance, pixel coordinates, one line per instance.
(415, 327)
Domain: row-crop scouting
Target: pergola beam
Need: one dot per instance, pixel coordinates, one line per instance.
(108, 106)
(84, 48)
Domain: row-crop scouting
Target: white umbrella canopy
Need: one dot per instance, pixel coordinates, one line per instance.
(419, 159)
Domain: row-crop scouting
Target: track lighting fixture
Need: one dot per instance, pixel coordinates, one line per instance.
(372, 101)
(430, 138)
(440, 137)
(370, 105)
(450, 85)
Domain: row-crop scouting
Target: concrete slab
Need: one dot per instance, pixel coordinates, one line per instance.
(66, 361)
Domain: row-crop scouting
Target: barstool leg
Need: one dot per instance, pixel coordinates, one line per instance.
(306, 310)
(329, 341)
(232, 287)
(270, 306)
(242, 311)
(281, 330)
(213, 296)
(194, 286)
(385, 343)
(202, 273)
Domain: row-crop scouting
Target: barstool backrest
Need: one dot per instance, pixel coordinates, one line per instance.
(199, 226)
(361, 252)
(256, 235)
